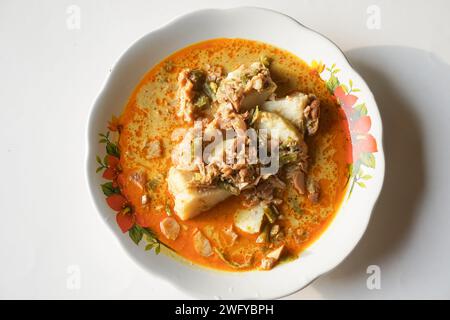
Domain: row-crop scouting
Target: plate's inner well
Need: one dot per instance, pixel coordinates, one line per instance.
(148, 122)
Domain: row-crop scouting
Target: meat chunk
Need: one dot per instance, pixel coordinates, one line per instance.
(312, 114)
(153, 149)
(246, 87)
(170, 228)
(185, 95)
(299, 182)
(214, 73)
(202, 244)
(313, 191)
(230, 235)
(269, 261)
(190, 93)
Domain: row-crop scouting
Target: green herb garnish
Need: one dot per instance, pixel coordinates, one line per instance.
(201, 102)
(168, 211)
(229, 187)
(265, 60)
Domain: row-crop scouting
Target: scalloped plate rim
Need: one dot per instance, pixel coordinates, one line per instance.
(178, 19)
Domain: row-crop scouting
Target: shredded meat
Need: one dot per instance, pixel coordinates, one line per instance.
(312, 114)
(202, 244)
(299, 182)
(228, 167)
(138, 177)
(313, 191)
(267, 263)
(214, 73)
(185, 95)
(170, 228)
(243, 82)
(265, 191)
(190, 93)
(230, 235)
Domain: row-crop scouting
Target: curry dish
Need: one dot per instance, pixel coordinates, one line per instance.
(215, 204)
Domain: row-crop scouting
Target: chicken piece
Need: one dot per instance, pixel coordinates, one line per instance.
(312, 114)
(202, 244)
(229, 235)
(300, 109)
(153, 149)
(263, 237)
(223, 150)
(299, 182)
(246, 87)
(190, 93)
(269, 261)
(313, 191)
(214, 73)
(185, 95)
(190, 200)
(170, 228)
(250, 220)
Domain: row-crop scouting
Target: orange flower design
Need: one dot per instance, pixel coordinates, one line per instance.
(358, 122)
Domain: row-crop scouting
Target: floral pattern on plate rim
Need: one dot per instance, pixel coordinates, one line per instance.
(361, 157)
(110, 168)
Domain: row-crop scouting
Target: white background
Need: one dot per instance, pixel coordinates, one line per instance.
(50, 75)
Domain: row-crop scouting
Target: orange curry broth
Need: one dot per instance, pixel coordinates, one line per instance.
(151, 114)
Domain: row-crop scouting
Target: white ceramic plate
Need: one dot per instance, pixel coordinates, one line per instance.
(282, 31)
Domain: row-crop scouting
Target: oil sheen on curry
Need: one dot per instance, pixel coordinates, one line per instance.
(188, 140)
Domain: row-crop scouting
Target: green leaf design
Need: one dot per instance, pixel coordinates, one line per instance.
(112, 149)
(108, 189)
(102, 165)
(361, 108)
(346, 89)
(361, 184)
(332, 83)
(153, 245)
(356, 176)
(368, 159)
(149, 233)
(152, 241)
(136, 234)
